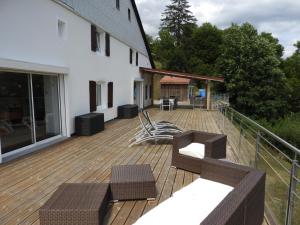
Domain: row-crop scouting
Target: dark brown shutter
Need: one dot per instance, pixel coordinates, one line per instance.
(93, 106)
(107, 44)
(129, 15)
(93, 38)
(136, 58)
(130, 56)
(110, 94)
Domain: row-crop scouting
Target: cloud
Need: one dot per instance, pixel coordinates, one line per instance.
(279, 17)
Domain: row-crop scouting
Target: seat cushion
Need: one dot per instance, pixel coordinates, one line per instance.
(196, 150)
(189, 206)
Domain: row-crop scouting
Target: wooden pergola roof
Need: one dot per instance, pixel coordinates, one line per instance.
(181, 75)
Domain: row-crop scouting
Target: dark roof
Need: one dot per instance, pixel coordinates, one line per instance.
(143, 32)
(182, 75)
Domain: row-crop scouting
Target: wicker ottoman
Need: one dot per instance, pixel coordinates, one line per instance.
(128, 111)
(89, 124)
(132, 182)
(76, 204)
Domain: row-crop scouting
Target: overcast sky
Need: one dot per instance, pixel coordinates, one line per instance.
(280, 17)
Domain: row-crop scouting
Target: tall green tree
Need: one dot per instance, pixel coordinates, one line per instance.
(251, 67)
(205, 49)
(291, 67)
(175, 17)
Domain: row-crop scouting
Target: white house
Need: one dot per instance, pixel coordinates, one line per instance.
(51, 52)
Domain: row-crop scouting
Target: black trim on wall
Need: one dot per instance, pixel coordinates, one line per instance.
(93, 38)
(118, 4)
(136, 58)
(93, 101)
(110, 94)
(130, 56)
(129, 15)
(107, 44)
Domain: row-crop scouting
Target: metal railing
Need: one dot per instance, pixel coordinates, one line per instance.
(256, 146)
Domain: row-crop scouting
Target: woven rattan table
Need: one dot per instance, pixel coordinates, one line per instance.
(132, 182)
(76, 204)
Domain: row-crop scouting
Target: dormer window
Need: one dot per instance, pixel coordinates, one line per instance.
(129, 15)
(118, 4)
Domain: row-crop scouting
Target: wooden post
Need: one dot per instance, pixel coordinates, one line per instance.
(208, 93)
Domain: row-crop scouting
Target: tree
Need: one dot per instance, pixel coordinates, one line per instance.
(175, 17)
(291, 68)
(205, 48)
(251, 67)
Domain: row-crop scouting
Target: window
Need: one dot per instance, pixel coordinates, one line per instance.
(98, 41)
(130, 56)
(129, 15)
(146, 92)
(99, 95)
(107, 44)
(61, 29)
(110, 96)
(118, 4)
(136, 58)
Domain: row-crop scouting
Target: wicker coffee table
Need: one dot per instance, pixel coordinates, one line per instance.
(76, 204)
(132, 182)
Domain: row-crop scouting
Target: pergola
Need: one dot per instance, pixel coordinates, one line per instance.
(207, 79)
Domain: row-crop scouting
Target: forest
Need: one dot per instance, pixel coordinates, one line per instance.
(261, 83)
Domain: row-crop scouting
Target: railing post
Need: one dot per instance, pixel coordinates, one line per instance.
(257, 148)
(224, 120)
(292, 189)
(240, 138)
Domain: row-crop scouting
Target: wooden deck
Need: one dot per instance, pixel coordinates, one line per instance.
(27, 183)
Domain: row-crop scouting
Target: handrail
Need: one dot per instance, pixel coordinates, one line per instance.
(288, 145)
(261, 143)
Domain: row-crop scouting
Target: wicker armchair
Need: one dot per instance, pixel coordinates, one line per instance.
(215, 147)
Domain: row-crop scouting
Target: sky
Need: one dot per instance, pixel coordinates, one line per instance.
(279, 17)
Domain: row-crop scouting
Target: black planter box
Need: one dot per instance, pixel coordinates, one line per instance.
(127, 111)
(89, 124)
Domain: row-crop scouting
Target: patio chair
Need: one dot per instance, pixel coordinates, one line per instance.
(166, 103)
(148, 134)
(160, 124)
(191, 147)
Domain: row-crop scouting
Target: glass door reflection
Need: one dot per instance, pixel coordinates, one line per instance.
(15, 111)
(46, 106)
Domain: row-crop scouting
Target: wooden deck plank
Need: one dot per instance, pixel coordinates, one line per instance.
(28, 182)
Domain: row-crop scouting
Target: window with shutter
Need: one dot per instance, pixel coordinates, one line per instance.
(93, 94)
(94, 38)
(137, 59)
(130, 56)
(107, 44)
(110, 95)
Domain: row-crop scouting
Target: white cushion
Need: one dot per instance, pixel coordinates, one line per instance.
(189, 206)
(195, 150)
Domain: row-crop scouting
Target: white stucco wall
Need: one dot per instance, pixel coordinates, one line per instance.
(29, 33)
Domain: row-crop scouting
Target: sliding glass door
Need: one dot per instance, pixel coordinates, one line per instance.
(15, 111)
(29, 109)
(46, 107)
